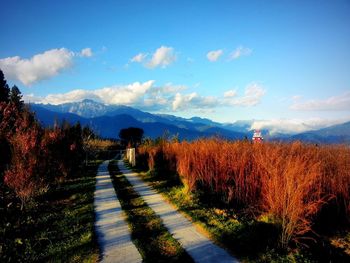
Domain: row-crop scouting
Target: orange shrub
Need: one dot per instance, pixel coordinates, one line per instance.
(289, 182)
(291, 187)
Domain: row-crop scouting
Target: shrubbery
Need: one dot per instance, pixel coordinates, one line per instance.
(292, 185)
(32, 157)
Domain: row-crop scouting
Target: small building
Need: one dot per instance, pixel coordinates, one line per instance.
(257, 137)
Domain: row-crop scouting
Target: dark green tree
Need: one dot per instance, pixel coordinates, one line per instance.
(4, 88)
(88, 133)
(16, 97)
(131, 135)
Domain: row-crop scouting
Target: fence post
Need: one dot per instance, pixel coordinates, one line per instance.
(130, 156)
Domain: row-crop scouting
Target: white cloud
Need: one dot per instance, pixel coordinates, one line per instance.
(86, 52)
(239, 52)
(194, 101)
(144, 95)
(252, 96)
(147, 96)
(126, 95)
(168, 88)
(74, 95)
(214, 55)
(290, 126)
(162, 57)
(230, 94)
(335, 103)
(139, 58)
(39, 67)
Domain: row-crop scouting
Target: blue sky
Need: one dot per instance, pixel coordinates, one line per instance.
(285, 64)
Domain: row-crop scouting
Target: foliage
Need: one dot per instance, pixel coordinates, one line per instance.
(46, 199)
(24, 175)
(4, 88)
(32, 157)
(131, 135)
(16, 97)
(289, 184)
(96, 148)
(57, 226)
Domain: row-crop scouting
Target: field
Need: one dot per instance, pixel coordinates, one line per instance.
(298, 193)
(58, 224)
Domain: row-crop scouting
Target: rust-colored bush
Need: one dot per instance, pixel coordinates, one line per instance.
(288, 182)
(291, 187)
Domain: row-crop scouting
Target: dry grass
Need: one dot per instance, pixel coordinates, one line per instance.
(289, 184)
(99, 144)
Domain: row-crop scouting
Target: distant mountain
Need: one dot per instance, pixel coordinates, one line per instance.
(339, 133)
(85, 108)
(107, 120)
(49, 117)
(109, 126)
(92, 109)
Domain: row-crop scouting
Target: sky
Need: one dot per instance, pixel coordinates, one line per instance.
(284, 64)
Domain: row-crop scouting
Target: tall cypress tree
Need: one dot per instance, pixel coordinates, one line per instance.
(16, 97)
(4, 88)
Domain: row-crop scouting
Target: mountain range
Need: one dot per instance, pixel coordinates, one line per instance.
(107, 120)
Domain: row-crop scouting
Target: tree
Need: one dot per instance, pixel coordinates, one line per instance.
(131, 136)
(88, 133)
(4, 88)
(16, 97)
(25, 176)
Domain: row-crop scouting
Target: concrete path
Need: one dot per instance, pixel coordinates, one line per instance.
(112, 230)
(199, 247)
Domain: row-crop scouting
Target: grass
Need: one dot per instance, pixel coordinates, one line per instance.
(150, 236)
(57, 227)
(250, 239)
(272, 196)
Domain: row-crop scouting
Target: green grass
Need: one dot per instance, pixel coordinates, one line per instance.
(57, 227)
(250, 239)
(150, 236)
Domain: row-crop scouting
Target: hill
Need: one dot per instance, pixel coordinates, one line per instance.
(339, 133)
(109, 125)
(107, 120)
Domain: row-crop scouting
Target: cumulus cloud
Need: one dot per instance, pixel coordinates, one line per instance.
(214, 55)
(168, 88)
(252, 96)
(126, 95)
(230, 94)
(193, 100)
(293, 126)
(147, 96)
(334, 103)
(239, 52)
(138, 58)
(41, 66)
(162, 57)
(144, 95)
(86, 52)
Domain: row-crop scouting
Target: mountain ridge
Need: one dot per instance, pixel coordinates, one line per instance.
(104, 118)
(109, 126)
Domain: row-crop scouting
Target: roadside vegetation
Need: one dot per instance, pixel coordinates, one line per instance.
(265, 202)
(150, 236)
(57, 226)
(46, 186)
